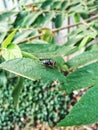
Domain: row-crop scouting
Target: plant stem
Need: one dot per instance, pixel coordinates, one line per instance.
(58, 29)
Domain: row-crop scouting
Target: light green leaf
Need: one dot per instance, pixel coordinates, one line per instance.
(77, 8)
(9, 39)
(85, 111)
(77, 17)
(82, 78)
(23, 35)
(30, 18)
(12, 51)
(84, 42)
(48, 35)
(45, 50)
(6, 15)
(83, 59)
(32, 69)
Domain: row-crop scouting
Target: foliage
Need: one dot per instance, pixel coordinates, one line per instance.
(31, 56)
(38, 102)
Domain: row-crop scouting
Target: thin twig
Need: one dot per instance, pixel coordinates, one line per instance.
(43, 11)
(85, 23)
(57, 29)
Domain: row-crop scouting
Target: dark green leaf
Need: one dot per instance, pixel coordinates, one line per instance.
(64, 5)
(42, 20)
(84, 15)
(59, 20)
(30, 18)
(20, 18)
(32, 69)
(56, 5)
(85, 111)
(47, 4)
(82, 78)
(17, 91)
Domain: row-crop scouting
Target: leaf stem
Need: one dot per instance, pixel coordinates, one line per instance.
(58, 29)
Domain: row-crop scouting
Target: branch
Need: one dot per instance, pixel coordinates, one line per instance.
(58, 29)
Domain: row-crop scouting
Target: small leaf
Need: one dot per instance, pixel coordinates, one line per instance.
(20, 18)
(84, 15)
(12, 51)
(85, 111)
(64, 5)
(17, 91)
(59, 20)
(44, 19)
(48, 35)
(77, 17)
(47, 4)
(30, 18)
(56, 5)
(9, 39)
(84, 42)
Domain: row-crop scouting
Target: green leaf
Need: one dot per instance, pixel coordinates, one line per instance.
(77, 8)
(47, 36)
(6, 15)
(30, 18)
(46, 50)
(47, 4)
(28, 55)
(8, 40)
(85, 111)
(2, 35)
(84, 42)
(77, 17)
(82, 78)
(83, 59)
(64, 5)
(17, 90)
(32, 69)
(84, 15)
(59, 62)
(22, 35)
(43, 20)
(3, 79)
(12, 51)
(56, 5)
(59, 20)
(20, 18)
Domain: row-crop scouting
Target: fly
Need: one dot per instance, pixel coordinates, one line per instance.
(48, 62)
